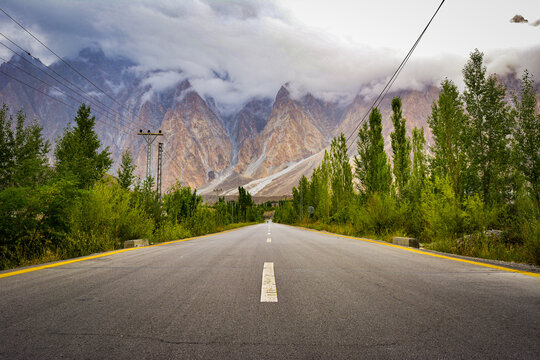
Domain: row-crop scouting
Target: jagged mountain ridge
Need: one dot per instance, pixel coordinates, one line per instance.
(266, 146)
(264, 140)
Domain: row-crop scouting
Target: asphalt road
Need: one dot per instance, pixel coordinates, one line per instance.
(336, 298)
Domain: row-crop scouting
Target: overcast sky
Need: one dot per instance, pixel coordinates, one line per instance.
(334, 49)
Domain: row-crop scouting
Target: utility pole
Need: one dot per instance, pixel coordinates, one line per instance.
(149, 137)
(159, 170)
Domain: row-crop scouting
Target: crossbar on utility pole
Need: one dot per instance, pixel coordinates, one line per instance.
(149, 137)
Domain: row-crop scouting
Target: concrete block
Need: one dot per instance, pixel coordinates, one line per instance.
(135, 243)
(403, 241)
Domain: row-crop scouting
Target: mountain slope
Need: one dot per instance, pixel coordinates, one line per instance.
(266, 146)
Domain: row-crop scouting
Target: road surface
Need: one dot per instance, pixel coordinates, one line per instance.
(269, 291)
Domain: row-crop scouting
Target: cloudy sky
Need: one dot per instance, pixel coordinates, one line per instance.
(234, 50)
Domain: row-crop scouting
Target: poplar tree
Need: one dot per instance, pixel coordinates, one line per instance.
(401, 147)
(244, 202)
(417, 183)
(447, 121)
(77, 154)
(341, 174)
(320, 182)
(126, 170)
(419, 166)
(487, 132)
(23, 152)
(526, 136)
(372, 167)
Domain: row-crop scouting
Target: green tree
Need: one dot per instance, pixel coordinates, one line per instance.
(419, 167)
(23, 152)
(126, 170)
(7, 143)
(303, 197)
(401, 147)
(526, 136)
(180, 203)
(340, 177)
(487, 132)
(321, 189)
(419, 177)
(77, 154)
(223, 212)
(372, 168)
(447, 122)
(244, 203)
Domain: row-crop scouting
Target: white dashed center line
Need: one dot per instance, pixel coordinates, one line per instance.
(268, 288)
(268, 240)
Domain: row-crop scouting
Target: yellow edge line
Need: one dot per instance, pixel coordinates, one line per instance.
(427, 253)
(47, 266)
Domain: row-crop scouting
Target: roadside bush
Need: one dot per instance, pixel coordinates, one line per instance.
(285, 213)
(476, 216)
(441, 211)
(33, 221)
(531, 240)
(103, 218)
(169, 232)
(380, 215)
(203, 221)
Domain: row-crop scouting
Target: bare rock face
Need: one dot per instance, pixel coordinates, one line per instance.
(250, 120)
(266, 146)
(197, 140)
(196, 146)
(295, 130)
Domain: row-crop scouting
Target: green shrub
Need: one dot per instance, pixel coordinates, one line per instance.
(441, 211)
(33, 221)
(169, 232)
(476, 216)
(380, 215)
(103, 218)
(531, 241)
(203, 221)
(285, 213)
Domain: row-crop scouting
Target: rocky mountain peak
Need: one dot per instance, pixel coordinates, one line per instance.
(92, 54)
(283, 94)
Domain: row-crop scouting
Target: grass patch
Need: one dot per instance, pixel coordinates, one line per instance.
(479, 246)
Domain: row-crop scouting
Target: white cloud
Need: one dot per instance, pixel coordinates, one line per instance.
(233, 50)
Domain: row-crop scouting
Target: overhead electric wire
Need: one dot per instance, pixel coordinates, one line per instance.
(46, 83)
(64, 61)
(74, 69)
(30, 86)
(98, 111)
(120, 118)
(173, 161)
(87, 96)
(393, 78)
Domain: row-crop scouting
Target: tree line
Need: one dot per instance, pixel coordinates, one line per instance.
(72, 207)
(474, 191)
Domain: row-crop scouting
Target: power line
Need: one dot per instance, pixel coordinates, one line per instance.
(30, 86)
(103, 112)
(64, 61)
(74, 69)
(88, 97)
(173, 161)
(46, 83)
(124, 121)
(98, 112)
(393, 78)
